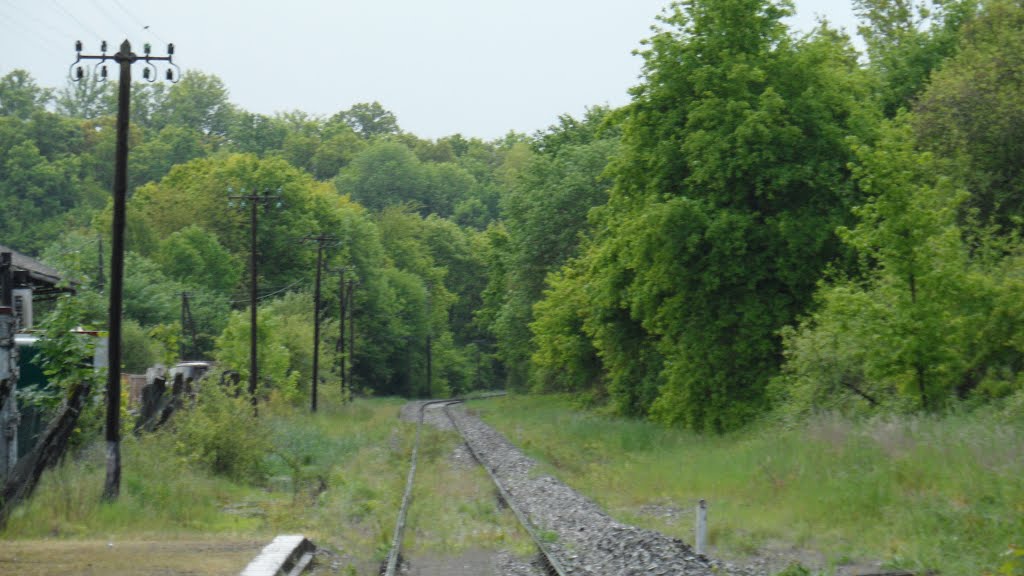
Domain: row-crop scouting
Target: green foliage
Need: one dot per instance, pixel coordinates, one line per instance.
(139, 350)
(193, 255)
(564, 359)
(45, 184)
(947, 489)
(933, 318)
(389, 173)
(87, 98)
(370, 120)
(198, 102)
(275, 361)
(20, 96)
(903, 51)
(65, 355)
(221, 434)
(722, 215)
(150, 297)
(546, 205)
(973, 112)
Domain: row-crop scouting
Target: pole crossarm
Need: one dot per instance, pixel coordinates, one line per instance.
(125, 55)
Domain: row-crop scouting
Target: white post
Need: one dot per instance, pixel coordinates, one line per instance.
(702, 527)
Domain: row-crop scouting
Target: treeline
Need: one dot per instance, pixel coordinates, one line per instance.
(774, 222)
(407, 214)
(782, 222)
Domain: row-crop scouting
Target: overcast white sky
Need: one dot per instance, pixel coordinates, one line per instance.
(476, 67)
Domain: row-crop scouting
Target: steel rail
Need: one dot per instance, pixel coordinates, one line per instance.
(396, 540)
(553, 564)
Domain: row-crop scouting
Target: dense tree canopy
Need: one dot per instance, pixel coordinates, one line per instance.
(773, 222)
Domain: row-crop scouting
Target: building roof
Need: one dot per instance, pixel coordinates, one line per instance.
(41, 278)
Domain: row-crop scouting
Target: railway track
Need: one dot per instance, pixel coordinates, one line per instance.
(550, 563)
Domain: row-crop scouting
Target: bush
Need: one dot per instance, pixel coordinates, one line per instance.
(221, 434)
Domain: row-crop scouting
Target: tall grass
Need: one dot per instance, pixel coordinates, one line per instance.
(916, 492)
(336, 476)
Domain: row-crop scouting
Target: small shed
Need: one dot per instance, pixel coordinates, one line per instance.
(23, 280)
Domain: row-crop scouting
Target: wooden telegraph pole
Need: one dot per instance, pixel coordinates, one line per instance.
(253, 201)
(321, 241)
(125, 58)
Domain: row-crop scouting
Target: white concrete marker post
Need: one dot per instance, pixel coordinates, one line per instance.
(702, 527)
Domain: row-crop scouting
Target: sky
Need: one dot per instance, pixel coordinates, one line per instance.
(476, 67)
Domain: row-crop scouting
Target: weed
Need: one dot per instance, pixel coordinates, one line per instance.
(917, 492)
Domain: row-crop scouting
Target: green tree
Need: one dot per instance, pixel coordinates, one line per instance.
(545, 211)
(152, 159)
(384, 174)
(907, 41)
(232, 351)
(20, 96)
(257, 133)
(198, 101)
(194, 256)
(88, 98)
(730, 184)
(370, 120)
(973, 111)
(934, 318)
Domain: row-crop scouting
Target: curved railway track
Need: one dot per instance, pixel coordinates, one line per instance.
(548, 560)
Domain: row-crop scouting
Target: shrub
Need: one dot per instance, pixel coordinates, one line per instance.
(222, 434)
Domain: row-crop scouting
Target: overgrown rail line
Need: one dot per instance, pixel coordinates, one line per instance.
(548, 560)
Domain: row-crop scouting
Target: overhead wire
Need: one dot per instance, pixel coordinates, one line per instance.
(116, 22)
(267, 295)
(86, 27)
(148, 28)
(21, 20)
(51, 27)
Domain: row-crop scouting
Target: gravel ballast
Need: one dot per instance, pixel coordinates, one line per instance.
(584, 539)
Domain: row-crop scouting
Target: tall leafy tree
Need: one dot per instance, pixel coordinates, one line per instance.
(730, 185)
(198, 101)
(973, 111)
(20, 96)
(370, 120)
(937, 312)
(545, 211)
(906, 41)
(90, 97)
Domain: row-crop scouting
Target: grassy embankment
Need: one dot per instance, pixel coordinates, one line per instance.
(918, 492)
(341, 488)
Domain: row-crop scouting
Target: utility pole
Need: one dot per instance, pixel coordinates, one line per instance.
(430, 332)
(320, 240)
(125, 58)
(342, 307)
(352, 284)
(253, 201)
(99, 265)
(188, 327)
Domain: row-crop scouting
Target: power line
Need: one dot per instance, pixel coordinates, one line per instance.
(140, 23)
(79, 22)
(52, 32)
(116, 22)
(268, 295)
(63, 34)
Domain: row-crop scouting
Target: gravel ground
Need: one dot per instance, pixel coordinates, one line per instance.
(583, 537)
